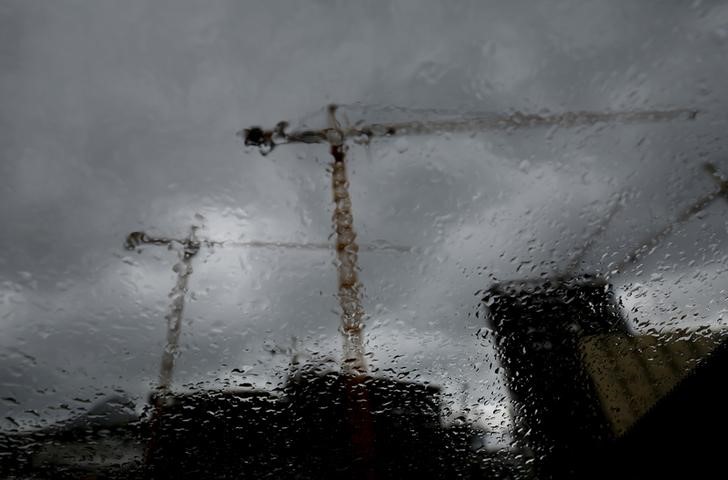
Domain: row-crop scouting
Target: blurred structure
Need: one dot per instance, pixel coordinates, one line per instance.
(354, 364)
(189, 248)
(631, 373)
(308, 432)
(579, 379)
(682, 435)
(106, 442)
(267, 139)
(538, 328)
(304, 430)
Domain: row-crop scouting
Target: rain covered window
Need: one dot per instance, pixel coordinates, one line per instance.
(362, 240)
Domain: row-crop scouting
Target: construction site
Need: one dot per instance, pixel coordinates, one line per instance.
(581, 381)
(213, 270)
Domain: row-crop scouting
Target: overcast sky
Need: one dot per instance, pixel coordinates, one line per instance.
(120, 116)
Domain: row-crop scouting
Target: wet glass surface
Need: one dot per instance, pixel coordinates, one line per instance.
(502, 255)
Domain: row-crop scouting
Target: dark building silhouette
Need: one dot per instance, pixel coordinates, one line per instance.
(593, 400)
(318, 426)
(538, 326)
(321, 426)
(553, 338)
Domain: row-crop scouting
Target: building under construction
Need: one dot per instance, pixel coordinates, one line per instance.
(318, 425)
